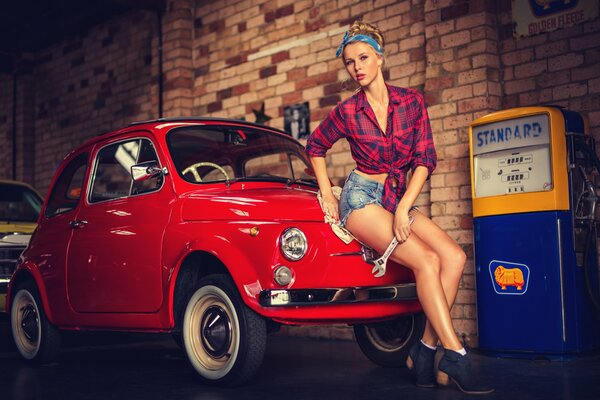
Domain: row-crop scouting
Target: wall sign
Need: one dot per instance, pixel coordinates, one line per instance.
(532, 17)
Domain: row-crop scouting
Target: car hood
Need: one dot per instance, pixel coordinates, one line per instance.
(262, 203)
(16, 227)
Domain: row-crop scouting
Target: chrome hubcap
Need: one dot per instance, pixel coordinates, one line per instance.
(216, 331)
(30, 323)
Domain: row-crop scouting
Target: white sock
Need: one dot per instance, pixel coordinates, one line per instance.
(428, 346)
(462, 352)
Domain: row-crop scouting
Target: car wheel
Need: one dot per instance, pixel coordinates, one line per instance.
(35, 337)
(387, 343)
(223, 339)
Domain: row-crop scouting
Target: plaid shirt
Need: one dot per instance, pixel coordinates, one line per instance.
(406, 144)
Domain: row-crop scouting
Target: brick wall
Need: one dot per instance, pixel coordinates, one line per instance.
(283, 53)
(462, 82)
(76, 89)
(228, 58)
(561, 67)
(6, 123)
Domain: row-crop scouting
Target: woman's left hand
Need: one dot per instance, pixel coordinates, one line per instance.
(401, 225)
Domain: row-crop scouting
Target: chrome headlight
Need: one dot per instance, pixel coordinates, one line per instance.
(293, 244)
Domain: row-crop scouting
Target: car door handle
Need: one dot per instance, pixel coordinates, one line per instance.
(78, 224)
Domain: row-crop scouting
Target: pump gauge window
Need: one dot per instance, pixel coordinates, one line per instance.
(512, 156)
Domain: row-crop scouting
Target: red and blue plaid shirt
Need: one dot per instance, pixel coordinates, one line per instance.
(406, 144)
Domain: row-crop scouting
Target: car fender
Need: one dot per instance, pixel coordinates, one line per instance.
(240, 267)
(20, 273)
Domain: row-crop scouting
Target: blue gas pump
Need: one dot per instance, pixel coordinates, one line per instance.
(533, 174)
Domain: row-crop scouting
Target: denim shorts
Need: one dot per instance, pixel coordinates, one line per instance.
(358, 192)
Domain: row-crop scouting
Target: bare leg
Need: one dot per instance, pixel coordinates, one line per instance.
(373, 226)
(452, 262)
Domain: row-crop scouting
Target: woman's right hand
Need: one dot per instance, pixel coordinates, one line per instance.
(329, 202)
(331, 206)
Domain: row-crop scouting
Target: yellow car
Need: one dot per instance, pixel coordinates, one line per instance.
(20, 207)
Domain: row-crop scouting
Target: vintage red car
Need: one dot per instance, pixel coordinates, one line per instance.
(206, 228)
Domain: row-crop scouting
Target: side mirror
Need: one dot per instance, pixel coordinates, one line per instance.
(146, 170)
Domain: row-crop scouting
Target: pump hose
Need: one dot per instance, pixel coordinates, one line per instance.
(589, 242)
(591, 238)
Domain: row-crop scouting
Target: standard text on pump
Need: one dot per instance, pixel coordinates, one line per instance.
(507, 134)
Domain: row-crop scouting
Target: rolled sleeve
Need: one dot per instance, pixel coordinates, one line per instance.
(424, 150)
(329, 131)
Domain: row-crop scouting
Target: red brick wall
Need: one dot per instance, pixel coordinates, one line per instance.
(462, 82)
(561, 67)
(282, 53)
(6, 122)
(227, 58)
(96, 82)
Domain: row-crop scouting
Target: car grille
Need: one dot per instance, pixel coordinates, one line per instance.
(8, 260)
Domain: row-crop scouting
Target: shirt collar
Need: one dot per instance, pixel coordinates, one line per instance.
(361, 100)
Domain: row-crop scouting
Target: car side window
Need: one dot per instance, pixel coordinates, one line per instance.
(112, 175)
(67, 190)
(299, 168)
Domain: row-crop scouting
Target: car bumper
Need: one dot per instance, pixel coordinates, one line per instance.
(316, 297)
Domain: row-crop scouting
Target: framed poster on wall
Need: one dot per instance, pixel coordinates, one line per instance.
(296, 120)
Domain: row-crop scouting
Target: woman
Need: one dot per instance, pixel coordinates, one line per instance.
(389, 133)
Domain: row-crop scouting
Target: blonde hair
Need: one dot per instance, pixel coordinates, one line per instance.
(364, 28)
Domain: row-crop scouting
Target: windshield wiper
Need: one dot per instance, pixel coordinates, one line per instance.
(310, 182)
(270, 178)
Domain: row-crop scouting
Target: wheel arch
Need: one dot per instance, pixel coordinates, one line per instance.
(213, 254)
(24, 274)
(195, 266)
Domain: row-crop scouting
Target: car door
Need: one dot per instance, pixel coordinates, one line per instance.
(48, 247)
(114, 260)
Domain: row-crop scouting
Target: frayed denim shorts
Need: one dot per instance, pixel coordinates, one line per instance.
(358, 192)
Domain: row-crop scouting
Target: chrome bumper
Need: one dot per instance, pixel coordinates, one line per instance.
(313, 297)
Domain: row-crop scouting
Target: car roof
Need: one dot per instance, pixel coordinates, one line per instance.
(207, 119)
(155, 123)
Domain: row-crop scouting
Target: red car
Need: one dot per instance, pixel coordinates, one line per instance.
(206, 228)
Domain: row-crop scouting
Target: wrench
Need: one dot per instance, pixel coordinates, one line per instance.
(381, 263)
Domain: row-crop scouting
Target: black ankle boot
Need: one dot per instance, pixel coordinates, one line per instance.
(420, 361)
(458, 368)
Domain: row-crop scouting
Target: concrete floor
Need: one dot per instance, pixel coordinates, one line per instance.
(135, 366)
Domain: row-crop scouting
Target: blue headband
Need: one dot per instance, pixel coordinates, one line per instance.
(358, 38)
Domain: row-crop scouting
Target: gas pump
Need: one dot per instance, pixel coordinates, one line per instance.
(534, 173)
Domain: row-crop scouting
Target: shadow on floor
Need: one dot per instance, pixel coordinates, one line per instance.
(143, 366)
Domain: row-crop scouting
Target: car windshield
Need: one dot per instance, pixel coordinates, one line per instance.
(209, 154)
(18, 203)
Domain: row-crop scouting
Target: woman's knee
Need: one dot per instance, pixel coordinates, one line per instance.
(455, 260)
(430, 262)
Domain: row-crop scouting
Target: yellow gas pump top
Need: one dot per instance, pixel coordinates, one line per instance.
(519, 162)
